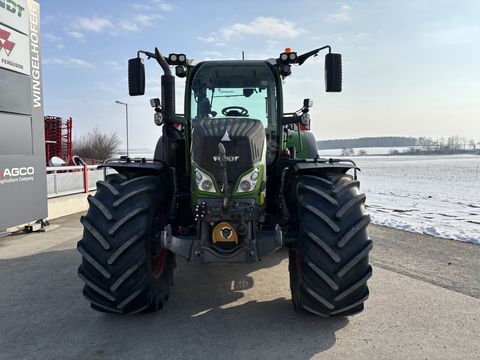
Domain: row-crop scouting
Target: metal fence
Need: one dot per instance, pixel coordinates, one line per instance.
(68, 180)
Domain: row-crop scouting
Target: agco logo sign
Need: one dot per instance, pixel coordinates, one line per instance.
(17, 175)
(6, 44)
(21, 171)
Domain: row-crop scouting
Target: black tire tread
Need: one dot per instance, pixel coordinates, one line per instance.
(329, 266)
(116, 246)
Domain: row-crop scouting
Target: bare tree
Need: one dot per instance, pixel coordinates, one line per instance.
(362, 152)
(96, 145)
(472, 143)
(346, 152)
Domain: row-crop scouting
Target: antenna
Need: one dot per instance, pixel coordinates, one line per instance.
(243, 55)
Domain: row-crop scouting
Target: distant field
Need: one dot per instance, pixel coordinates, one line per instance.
(369, 150)
(436, 195)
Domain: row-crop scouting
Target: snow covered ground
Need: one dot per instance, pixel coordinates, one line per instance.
(436, 195)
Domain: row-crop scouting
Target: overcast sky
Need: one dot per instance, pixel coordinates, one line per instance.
(410, 67)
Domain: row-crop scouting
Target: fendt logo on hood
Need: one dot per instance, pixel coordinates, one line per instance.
(6, 44)
(229, 158)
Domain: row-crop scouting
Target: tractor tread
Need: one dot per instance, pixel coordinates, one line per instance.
(329, 267)
(134, 180)
(97, 304)
(319, 192)
(131, 194)
(106, 185)
(92, 261)
(125, 219)
(323, 245)
(328, 280)
(96, 235)
(317, 178)
(105, 212)
(345, 209)
(129, 299)
(354, 230)
(126, 275)
(355, 260)
(125, 246)
(324, 217)
(117, 246)
(95, 287)
(351, 306)
(346, 185)
(319, 298)
(355, 286)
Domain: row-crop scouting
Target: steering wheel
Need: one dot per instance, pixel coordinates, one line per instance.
(235, 111)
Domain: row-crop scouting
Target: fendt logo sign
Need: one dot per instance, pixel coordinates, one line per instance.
(14, 14)
(5, 44)
(17, 174)
(12, 7)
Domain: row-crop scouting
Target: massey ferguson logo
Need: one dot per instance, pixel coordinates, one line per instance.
(21, 171)
(229, 158)
(6, 44)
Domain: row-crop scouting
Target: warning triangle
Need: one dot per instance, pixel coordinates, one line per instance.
(226, 137)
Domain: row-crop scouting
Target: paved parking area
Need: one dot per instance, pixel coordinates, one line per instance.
(221, 312)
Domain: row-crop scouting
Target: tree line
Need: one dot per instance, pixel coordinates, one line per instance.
(454, 143)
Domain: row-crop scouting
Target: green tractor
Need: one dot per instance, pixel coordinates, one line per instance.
(233, 179)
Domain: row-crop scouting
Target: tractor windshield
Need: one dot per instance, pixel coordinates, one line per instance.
(222, 90)
(242, 89)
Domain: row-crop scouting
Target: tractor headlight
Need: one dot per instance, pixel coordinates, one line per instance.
(204, 182)
(248, 181)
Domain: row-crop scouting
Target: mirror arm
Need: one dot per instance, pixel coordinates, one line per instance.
(162, 61)
(302, 58)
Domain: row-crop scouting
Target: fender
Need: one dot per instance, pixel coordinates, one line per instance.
(124, 165)
(148, 167)
(291, 167)
(322, 165)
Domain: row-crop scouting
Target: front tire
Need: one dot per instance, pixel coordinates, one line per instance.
(329, 265)
(123, 267)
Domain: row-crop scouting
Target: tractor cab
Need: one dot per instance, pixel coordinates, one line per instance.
(244, 90)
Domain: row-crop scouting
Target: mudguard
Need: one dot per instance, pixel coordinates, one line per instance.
(124, 165)
(324, 164)
(290, 168)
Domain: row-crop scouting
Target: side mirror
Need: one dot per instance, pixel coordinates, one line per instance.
(136, 77)
(307, 103)
(333, 72)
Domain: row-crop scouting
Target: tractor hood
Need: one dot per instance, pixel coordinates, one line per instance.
(243, 139)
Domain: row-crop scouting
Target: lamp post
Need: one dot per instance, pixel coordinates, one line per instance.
(126, 119)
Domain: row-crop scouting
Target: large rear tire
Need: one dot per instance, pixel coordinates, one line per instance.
(124, 269)
(329, 265)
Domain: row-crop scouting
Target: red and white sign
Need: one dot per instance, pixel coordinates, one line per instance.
(14, 50)
(14, 14)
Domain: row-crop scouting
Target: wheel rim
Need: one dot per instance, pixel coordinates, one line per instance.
(158, 263)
